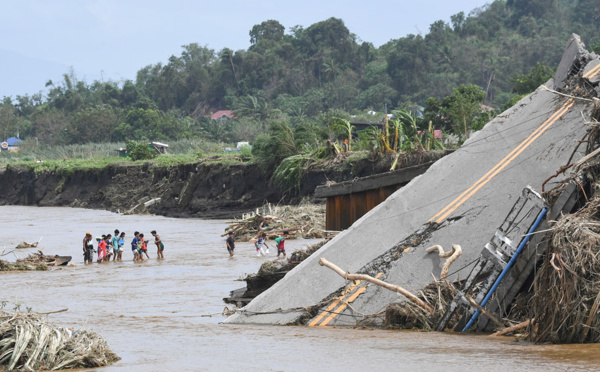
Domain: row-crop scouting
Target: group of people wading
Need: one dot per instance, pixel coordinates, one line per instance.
(111, 246)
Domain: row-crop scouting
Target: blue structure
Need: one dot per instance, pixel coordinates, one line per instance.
(13, 141)
(11, 144)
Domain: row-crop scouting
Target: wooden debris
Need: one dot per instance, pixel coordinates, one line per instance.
(514, 328)
(35, 261)
(301, 221)
(381, 283)
(270, 272)
(28, 245)
(39, 257)
(452, 254)
(29, 342)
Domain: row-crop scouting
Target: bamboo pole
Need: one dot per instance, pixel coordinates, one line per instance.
(513, 328)
(474, 304)
(591, 317)
(381, 283)
(483, 311)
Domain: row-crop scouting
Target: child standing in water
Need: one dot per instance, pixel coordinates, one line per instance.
(143, 246)
(115, 244)
(230, 244)
(134, 246)
(121, 245)
(160, 247)
(281, 244)
(262, 240)
(101, 248)
(109, 247)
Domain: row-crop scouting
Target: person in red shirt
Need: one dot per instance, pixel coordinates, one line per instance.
(143, 246)
(102, 248)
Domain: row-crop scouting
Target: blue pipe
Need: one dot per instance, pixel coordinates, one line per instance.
(510, 264)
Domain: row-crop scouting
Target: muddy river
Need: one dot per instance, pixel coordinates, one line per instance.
(153, 314)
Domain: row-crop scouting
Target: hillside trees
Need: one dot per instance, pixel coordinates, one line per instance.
(295, 76)
(8, 120)
(462, 107)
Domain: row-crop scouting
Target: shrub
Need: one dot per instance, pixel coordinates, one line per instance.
(139, 151)
(245, 152)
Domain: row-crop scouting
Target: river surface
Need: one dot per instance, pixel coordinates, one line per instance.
(153, 314)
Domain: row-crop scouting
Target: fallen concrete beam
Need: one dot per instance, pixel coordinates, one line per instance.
(398, 177)
(569, 63)
(461, 199)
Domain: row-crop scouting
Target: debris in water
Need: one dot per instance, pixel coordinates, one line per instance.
(302, 221)
(35, 261)
(270, 272)
(28, 342)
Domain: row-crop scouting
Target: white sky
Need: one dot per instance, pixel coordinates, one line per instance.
(113, 39)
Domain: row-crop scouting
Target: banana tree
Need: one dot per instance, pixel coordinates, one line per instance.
(344, 127)
(410, 126)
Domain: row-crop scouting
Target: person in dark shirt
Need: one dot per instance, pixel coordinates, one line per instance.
(88, 248)
(230, 244)
(134, 245)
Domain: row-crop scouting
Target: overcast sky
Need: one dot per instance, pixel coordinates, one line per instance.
(113, 39)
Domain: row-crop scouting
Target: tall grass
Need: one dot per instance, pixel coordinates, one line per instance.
(97, 155)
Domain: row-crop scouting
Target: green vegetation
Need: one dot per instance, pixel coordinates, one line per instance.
(291, 91)
(139, 151)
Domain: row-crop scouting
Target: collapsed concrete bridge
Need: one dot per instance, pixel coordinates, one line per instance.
(461, 199)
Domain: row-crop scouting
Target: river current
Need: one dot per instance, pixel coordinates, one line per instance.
(154, 314)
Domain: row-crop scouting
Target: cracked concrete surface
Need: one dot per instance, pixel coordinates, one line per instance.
(522, 146)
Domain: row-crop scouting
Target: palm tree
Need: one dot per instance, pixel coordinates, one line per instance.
(255, 107)
(331, 70)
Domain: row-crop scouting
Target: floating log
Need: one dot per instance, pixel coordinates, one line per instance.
(512, 329)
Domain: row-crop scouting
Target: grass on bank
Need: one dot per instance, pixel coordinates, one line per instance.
(40, 158)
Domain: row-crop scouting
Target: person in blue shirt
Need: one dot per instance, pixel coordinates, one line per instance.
(134, 245)
(121, 243)
(114, 242)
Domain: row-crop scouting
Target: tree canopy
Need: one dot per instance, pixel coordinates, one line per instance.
(489, 56)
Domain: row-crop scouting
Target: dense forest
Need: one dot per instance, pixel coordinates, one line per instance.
(301, 78)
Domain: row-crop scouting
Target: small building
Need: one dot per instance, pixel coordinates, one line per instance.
(122, 152)
(222, 115)
(11, 144)
(161, 148)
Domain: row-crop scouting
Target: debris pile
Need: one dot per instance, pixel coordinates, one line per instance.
(40, 258)
(28, 245)
(566, 296)
(302, 221)
(28, 342)
(563, 304)
(270, 272)
(35, 261)
(408, 315)
(18, 266)
(566, 299)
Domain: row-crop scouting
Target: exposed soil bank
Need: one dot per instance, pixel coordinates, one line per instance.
(207, 189)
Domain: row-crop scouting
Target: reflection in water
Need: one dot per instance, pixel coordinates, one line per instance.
(153, 313)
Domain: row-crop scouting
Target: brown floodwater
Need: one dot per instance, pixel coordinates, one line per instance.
(153, 314)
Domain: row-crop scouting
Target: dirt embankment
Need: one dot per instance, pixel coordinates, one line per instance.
(207, 189)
